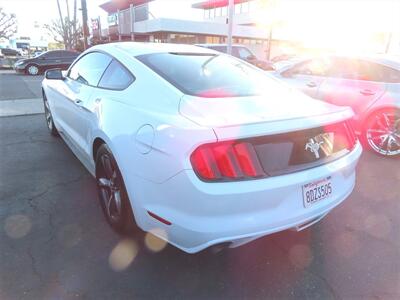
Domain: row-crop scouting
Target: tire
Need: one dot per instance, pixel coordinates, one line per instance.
(381, 132)
(32, 70)
(112, 192)
(49, 118)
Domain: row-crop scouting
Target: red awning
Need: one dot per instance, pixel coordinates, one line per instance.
(215, 3)
(112, 6)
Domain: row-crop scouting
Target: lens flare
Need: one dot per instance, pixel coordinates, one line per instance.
(123, 255)
(17, 226)
(153, 240)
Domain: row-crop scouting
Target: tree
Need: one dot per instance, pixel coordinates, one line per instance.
(65, 29)
(61, 32)
(8, 24)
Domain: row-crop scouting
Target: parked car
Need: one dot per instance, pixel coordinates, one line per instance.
(37, 53)
(47, 60)
(199, 144)
(8, 52)
(283, 57)
(243, 53)
(8, 57)
(370, 85)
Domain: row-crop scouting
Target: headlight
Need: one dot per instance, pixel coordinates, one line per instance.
(18, 63)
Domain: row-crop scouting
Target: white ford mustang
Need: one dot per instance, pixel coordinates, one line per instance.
(201, 146)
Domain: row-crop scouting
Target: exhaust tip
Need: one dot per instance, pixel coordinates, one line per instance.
(217, 248)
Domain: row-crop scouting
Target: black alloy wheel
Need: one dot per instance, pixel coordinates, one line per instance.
(49, 118)
(112, 192)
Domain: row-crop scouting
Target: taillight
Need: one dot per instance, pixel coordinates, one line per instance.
(352, 134)
(344, 135)
(226, 161)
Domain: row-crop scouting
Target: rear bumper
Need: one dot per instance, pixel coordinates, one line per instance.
(204, 214)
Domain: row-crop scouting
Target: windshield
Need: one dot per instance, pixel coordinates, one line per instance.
(207, 75)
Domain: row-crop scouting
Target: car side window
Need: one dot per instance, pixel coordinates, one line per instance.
(371, 71)
(219, 48)
(314, 67)
(244, 53)
(391, 75)
(62, 54)
(70, 54)
(52, 54)
(235, 52)
(116, 77)
(89, 68)
(343, 68)
(356, 69)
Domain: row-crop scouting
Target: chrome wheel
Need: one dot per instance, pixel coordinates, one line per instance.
(110, 189)
(33, 70)
(383, 132)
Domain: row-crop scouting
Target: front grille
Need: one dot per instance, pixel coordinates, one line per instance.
(295, 151)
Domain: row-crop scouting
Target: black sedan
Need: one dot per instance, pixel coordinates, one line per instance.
(51, 59)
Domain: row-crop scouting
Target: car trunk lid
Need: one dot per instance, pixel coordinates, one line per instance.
(242, 117)
(286, 135)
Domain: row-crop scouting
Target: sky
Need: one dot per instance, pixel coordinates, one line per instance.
(42, 11)
(323, 22)
(46, 10)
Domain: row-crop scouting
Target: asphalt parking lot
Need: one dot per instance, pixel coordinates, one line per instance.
(16, 86)
(55, 243)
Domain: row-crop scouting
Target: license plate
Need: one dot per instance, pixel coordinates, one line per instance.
(316, 191)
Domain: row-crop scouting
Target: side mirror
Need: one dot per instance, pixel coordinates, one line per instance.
(54, 74)
(251, 57)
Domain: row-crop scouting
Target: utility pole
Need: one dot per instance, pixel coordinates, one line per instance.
(132, 17)
(270, 42)
(229, 21)
(389, 42)
(84, 24)
(272, 5)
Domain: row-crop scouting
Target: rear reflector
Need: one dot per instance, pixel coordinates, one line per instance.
(158, 218)
(226, 161)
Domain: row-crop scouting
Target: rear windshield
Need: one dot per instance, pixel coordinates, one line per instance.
(207, 75)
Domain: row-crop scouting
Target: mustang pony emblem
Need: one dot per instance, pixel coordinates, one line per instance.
(314, 146)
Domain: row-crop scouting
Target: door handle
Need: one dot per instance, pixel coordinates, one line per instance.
(311, 84)
(81, 104)
(367, 92)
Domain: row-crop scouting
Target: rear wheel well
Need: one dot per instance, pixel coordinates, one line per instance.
(96, 145)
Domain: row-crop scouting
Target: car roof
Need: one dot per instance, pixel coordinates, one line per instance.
(389, 60)
(384, 59)
(219, 45)
(135, 48)
(59, 50)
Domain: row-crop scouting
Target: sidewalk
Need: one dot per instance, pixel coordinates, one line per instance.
(21, 107)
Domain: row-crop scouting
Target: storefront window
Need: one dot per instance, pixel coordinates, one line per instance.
(245, 7)
(238, 8)
(212, 13)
